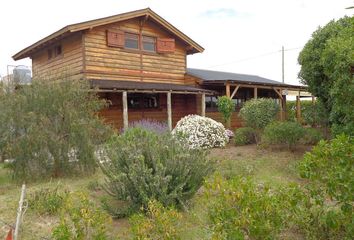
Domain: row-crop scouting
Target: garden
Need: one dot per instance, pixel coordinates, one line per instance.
(267, 180)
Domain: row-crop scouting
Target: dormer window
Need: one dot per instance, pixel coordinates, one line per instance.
(131, 41)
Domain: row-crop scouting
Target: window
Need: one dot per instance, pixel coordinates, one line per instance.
(133, 101)
(151, 101)
(149, 44)
(50, 54)
(57, 50)
(143, 101)
(210, 103)
(238, 102)
(54, 52)
(131, 41)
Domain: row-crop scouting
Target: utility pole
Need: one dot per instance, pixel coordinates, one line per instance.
(282, 63)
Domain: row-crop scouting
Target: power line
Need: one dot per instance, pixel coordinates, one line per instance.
(254, 57)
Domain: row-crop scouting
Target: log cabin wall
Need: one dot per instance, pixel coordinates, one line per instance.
(66, 64)
(113, 63)
(182, 105)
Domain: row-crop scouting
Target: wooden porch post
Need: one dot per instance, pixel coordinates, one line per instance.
(125, 110)
(298, 108)
(255, 93)
(169, 111)
(227, 89)
(203, 104)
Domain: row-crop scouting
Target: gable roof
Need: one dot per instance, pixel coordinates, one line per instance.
(195, 47)
(209, 76)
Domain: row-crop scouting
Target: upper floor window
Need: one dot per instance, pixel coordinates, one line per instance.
(131, 41)
(54, 52)
(149, 44)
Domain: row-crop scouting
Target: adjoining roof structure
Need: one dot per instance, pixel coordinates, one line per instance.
(147, 12)
(209, 76)
(134, 86)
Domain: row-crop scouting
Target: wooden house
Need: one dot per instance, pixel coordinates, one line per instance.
(138, 61)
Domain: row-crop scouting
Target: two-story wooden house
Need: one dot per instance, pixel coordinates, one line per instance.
(138, 61)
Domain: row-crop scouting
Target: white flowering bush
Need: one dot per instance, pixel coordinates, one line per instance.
(201, 132)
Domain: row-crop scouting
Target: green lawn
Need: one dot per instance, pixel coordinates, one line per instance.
(275, 167)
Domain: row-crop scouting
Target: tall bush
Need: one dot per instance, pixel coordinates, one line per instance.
(143, 166)
(258, 113)
(51, 129)
(226, 107)
(326, 62)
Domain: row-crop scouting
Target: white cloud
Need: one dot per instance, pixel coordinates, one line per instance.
(229, 30)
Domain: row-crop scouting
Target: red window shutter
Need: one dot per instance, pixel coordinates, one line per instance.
(115, 38)
(165, 45)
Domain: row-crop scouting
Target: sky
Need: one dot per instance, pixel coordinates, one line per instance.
(241, 36)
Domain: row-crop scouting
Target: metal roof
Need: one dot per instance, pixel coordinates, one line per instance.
(215, 76)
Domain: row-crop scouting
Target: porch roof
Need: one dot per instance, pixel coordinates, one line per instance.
(217, 77)
(133, 86)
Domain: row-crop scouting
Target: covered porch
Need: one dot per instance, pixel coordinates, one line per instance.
(241, 88)
(133, 101)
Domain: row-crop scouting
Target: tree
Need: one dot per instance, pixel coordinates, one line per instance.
(50, 129)
(326, 62)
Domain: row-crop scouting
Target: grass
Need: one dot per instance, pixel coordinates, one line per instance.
(273, 166)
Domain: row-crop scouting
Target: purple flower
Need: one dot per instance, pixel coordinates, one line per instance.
(151, 125)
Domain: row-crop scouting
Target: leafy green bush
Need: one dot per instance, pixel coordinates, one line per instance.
(80, 220)
(159, 223)
(47, 200)
(288, 133)
(330, 169)
(312, 136)
(241, 209)
(51, 129)
(226, 106)
(143, 165)
(244, 136)
(258, 113)
(330, 166)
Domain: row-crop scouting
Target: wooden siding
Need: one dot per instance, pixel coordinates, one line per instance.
(182, 105)
(103, 62)
(67, 65)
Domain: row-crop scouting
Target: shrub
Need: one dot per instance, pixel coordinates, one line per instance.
(288, 133)
(151, 125)
(51, 129)
(329, 166)
(258, 113)
(159, 223)
(201, 132)
(144, 165)
(311, 136)
(241, 209)
(244, 136)
(226, 107)
(47, 201)
(80, 219)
